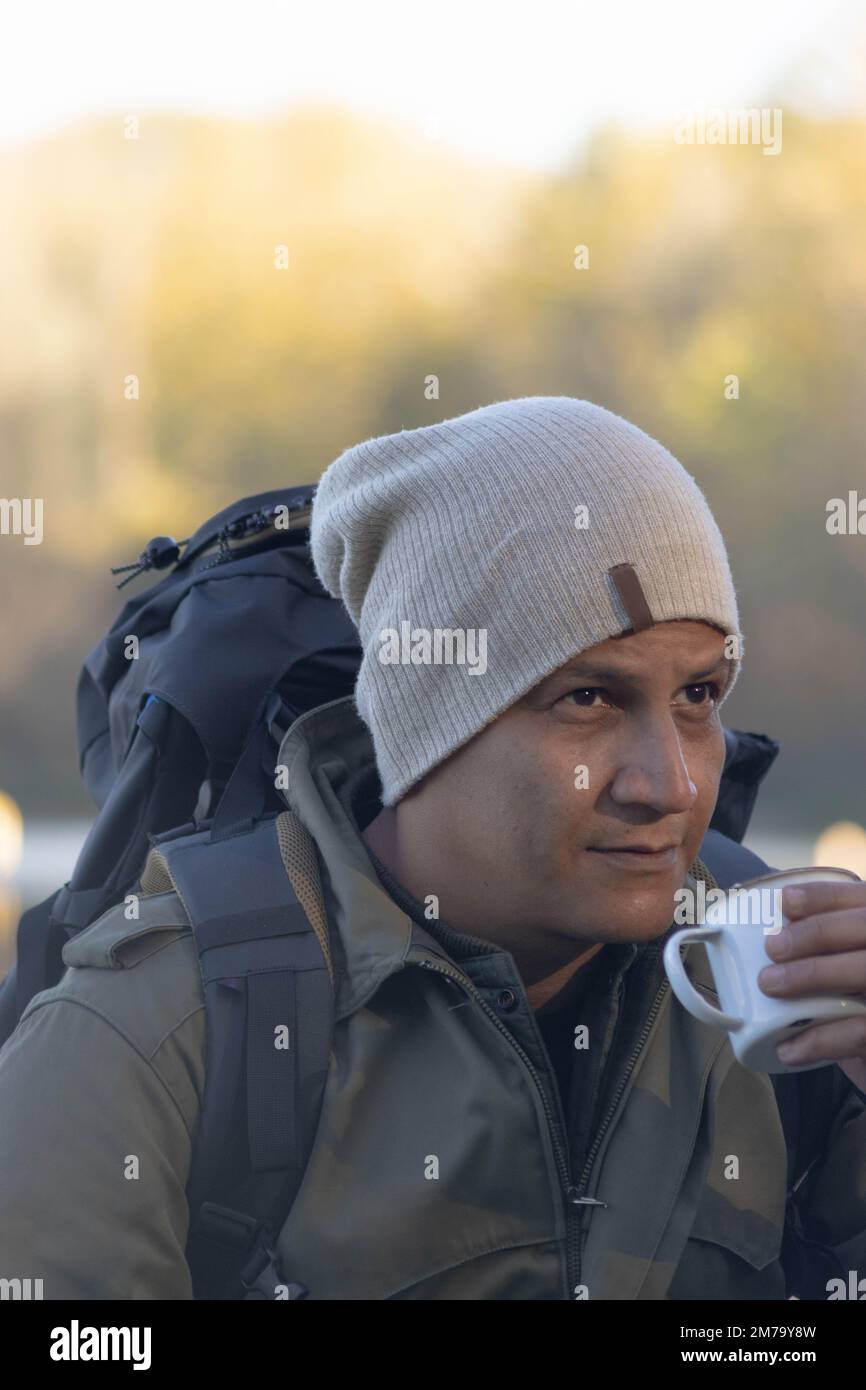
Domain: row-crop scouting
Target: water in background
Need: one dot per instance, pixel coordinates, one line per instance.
(50, 849)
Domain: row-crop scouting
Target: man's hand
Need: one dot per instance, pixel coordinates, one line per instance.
(823, 950)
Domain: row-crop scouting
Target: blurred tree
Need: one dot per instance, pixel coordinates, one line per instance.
(156, 261)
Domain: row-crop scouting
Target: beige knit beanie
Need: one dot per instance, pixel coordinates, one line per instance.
(475, 557)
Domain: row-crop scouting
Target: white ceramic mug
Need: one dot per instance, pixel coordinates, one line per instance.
(736, 948)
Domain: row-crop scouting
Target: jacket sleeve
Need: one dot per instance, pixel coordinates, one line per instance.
(94, 1153)
(833, 1201)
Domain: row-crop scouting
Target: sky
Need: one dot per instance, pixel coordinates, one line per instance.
(512, 83)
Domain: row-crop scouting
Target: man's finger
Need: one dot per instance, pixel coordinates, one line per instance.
(831, 974)
(827, 1042)
(804, 899)
(820, 933)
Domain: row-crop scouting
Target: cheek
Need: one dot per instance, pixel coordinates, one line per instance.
(707, 761)
(555, 798)
(524, 796)
(484, 793)
(705, 770)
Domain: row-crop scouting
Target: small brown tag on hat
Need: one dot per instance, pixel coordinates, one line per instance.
(633, 598)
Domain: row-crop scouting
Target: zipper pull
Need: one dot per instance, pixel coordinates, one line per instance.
(161, 551)
(574, 1199)
(451, 975)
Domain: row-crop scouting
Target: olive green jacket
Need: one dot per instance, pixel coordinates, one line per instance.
(440, 1167)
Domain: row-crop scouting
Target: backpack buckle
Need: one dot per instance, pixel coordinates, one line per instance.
(261, 1276)
(227, 1227)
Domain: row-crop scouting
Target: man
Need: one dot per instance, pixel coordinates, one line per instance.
(516, 1106)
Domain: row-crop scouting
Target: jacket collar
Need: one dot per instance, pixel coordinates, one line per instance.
(323, 751)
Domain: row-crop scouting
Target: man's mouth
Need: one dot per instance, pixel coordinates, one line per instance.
(640, 857)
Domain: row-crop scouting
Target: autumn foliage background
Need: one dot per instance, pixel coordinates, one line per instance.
(155, 257)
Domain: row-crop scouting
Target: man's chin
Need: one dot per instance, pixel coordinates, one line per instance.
(633, 928)
(635, 913)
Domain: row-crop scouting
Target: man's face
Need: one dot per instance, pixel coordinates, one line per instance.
(544, 852)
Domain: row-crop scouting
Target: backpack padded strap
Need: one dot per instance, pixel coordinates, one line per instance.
(728, 861)
(269, 1011)
(271, 1043)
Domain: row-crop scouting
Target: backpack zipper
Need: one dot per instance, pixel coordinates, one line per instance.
(252, 528)
(555, 1121)
(234, 538)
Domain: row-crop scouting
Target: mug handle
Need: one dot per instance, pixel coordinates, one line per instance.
(682, 985)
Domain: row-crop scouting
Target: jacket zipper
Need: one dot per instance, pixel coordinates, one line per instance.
(608, 1117)
(555, 1121)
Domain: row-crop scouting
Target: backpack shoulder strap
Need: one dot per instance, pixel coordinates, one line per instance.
(728, 861)
(255, 905)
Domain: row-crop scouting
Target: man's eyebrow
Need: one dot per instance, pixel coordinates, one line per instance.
(614, 675)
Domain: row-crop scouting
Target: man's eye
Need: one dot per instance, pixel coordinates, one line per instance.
(577, 696)
(695, 693)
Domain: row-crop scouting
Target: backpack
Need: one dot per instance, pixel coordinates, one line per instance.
(180, 709)
(190, 674)
(177, 708)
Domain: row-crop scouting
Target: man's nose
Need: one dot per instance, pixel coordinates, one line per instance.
(652, 770)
